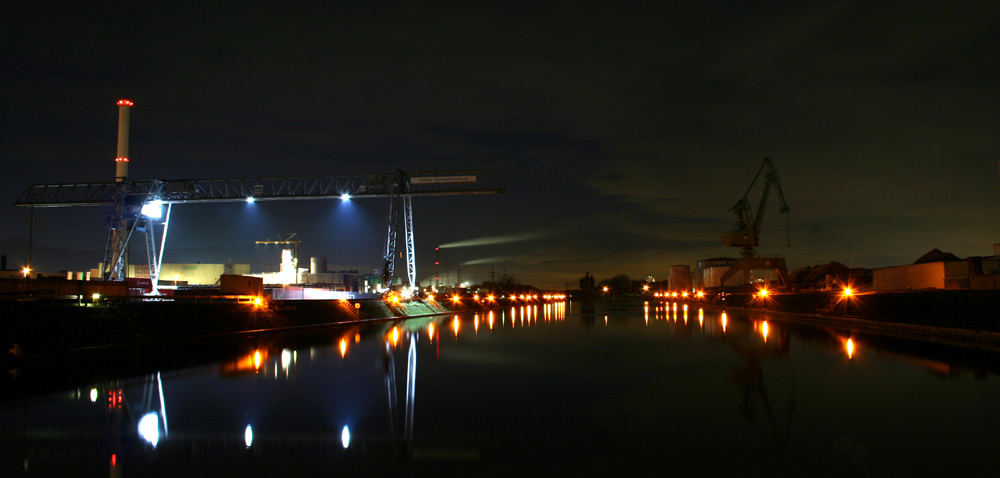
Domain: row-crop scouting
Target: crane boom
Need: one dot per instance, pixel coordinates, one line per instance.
(746, 232)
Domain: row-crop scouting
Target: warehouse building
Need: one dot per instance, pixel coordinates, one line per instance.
(941, 270)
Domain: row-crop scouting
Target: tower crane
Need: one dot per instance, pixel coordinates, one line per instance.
(284, 239)
(746, 232)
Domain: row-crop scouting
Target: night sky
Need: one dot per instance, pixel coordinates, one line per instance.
(622, 134)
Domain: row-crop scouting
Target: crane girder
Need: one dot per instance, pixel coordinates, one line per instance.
(434, 183)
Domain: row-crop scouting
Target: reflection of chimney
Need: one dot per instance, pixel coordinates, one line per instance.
(121, 161)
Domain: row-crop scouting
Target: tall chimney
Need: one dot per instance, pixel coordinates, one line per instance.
(121, 161)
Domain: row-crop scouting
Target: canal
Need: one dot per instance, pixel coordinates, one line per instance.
(622, 387)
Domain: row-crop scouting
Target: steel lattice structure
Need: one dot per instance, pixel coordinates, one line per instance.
(126, 198)
(437, 183)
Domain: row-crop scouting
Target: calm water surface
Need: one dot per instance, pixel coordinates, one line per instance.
(618, 388)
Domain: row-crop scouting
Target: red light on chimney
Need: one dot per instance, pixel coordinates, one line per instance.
(124, 102)
(121, 160)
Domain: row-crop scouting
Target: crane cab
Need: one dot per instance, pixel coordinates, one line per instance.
(738, 239)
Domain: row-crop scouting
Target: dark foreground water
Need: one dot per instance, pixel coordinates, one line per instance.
(547, 390)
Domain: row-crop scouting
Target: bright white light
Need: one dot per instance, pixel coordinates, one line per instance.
(345, 436)
(149, 428)
(248, 436)
(286, 358)
(250, 199)
(345, 197)
(152, 209)
(93, 395)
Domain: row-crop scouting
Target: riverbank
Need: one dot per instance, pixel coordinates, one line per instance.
(954, 317)
(968, 309)
(40, 330)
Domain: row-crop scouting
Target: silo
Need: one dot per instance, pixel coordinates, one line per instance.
(317, 265)
(680, 277)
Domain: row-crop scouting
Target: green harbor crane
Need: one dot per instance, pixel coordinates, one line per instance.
(746, 232)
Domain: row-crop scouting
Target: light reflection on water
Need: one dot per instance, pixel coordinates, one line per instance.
(641, 391)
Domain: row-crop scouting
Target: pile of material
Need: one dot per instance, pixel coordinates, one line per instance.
(829, 276)
(935, 255)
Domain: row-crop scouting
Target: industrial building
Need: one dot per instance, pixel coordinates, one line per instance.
(350, 280)
(209, 274)
(193, 274)
(709, 273)
(941, 270)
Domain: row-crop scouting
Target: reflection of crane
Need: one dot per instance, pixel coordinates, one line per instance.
(751, 381)
(746, 232)
(406, 440)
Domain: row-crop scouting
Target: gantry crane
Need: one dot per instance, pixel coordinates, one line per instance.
(746, 232)
(127, 197)
(135, 204)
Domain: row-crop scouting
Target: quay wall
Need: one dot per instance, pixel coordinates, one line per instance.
(30, 330)
(964, 309)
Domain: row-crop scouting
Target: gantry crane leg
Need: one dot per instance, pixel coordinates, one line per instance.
(125, 215)
(154, 271)
(411, 254)
(400, 203)
(389, 252)
(111, 268)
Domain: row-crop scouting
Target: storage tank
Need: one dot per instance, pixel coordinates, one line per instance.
(680, 277)
(317, 265)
